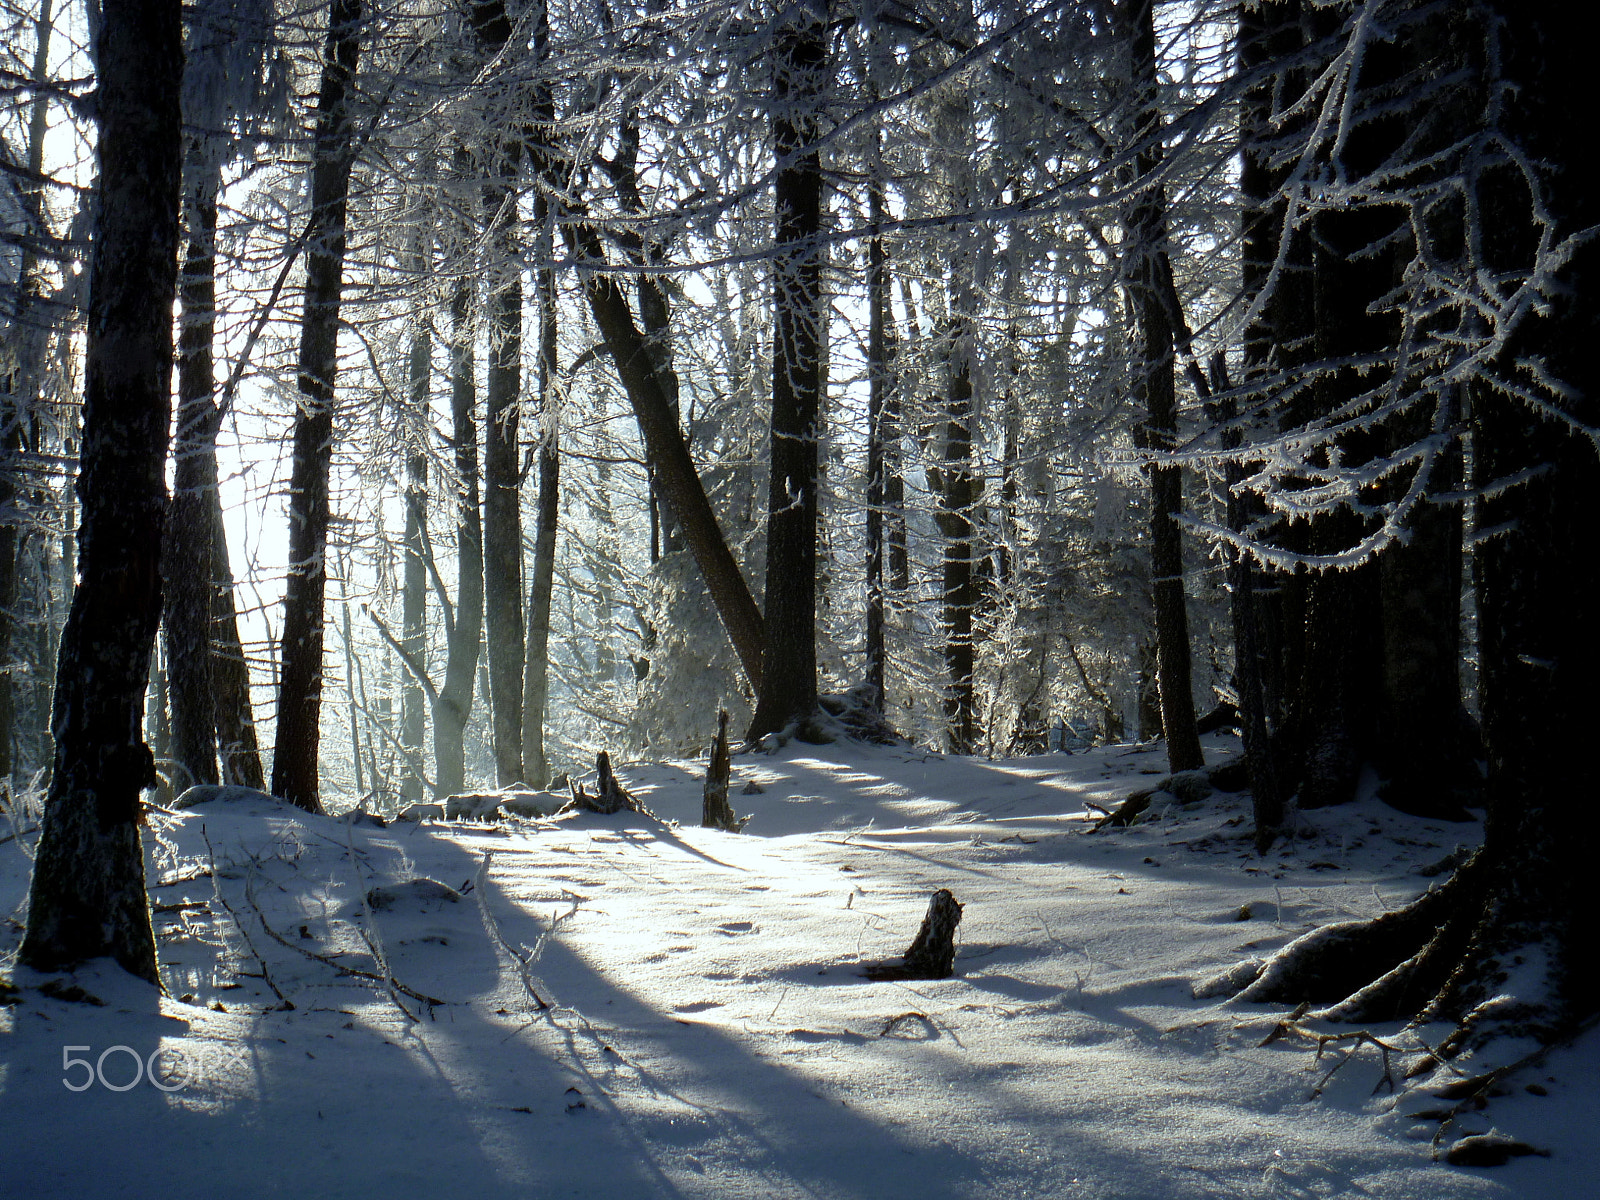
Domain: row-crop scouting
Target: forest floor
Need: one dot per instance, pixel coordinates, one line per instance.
(709, 1032)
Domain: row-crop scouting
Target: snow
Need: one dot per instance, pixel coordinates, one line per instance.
(710, 1033)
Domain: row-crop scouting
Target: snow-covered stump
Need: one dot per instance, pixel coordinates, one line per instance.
(933, 952)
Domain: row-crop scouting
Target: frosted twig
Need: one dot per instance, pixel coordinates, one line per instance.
(524, 961)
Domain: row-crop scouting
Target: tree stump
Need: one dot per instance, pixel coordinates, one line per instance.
(933, 953)
(716, 812)
(609, 795)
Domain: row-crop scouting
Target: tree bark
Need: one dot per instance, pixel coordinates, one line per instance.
(958, 495)
(547, 160)
(880, 350)
(1156, 382)
(414, 588)
(465, 626)
(294, 760)
(188, 572)
(788, 694)
(87, 896)
(1257, 641)
(502, 494)
(1506, 946)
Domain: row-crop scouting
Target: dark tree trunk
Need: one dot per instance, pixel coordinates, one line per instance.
(465, 628)
(1506, 947)
(541, 584)
(294, 759)
(788, 692)
(88, 895)
(958, 494)
(187, 570)
(880, 352)
(1156, 381)
(676, 478)
(1257, 640)
(1427, 751)
(502, 495)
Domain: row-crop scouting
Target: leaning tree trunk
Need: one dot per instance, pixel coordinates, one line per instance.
(788, 692)
(87, 896)
(294, 760)
(674, 469)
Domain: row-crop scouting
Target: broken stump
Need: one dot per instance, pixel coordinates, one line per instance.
(716, 812)
(933, 952)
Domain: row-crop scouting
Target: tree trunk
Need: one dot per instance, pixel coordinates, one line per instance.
(87, 896)
(187, 570)
(502, 495)
(541, 584)
(880, 351)
(235, 714)
(414, 590)
(465, 630)
(958, 491)
(675, 473)
(1156, 381)
(1256, 639)
(788, 694)
(294, 760)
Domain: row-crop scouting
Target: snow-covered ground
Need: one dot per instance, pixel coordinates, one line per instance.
(710, 1033)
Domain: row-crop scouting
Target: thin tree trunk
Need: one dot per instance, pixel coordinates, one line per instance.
(1156, 381)
(788, 692)
(466, 626)
(414, 594)
(880, 350)
(87, 896)
(294, 760)
(235, 714)
(536, 674)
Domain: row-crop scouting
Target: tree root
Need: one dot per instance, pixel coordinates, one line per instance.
(1383, 969)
